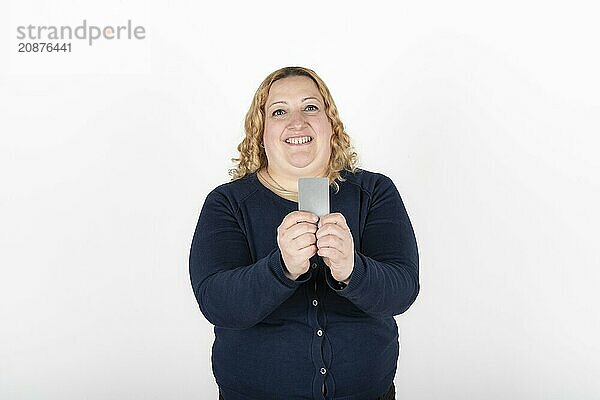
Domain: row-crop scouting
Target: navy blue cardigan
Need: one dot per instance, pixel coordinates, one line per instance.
(276, 338)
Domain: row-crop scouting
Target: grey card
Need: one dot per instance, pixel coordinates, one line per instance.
(313, 195)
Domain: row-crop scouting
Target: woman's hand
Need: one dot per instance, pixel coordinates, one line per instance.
(297, 241)
(336, 245)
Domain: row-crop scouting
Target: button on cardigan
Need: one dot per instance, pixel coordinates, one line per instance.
(277, 338)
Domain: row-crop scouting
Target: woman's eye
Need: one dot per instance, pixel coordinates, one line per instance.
(277, 112)
(314, 108)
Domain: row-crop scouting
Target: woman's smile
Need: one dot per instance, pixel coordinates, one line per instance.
(299, 141)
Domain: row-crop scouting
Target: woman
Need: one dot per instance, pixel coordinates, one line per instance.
(302, 307)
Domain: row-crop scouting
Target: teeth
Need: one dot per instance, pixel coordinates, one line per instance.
(301, 140)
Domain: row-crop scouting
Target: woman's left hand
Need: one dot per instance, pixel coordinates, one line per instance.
(336, 245)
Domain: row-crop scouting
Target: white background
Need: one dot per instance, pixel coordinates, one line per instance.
(486, 116)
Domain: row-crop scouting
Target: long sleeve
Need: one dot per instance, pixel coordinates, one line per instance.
(385, 279)
(233, 292)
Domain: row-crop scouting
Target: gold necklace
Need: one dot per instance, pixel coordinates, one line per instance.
(277, 183)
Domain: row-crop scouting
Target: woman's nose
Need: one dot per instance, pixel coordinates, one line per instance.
(296, 120)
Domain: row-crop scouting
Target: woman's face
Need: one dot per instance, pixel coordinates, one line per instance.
(297, 131)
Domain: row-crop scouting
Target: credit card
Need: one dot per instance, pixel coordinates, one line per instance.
(313, 195)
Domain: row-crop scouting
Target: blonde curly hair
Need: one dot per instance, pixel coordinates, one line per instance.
(252, 156)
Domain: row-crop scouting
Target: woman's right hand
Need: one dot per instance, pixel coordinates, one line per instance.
(297, 241)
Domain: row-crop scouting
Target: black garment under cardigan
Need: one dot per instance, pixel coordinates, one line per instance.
(389, 395)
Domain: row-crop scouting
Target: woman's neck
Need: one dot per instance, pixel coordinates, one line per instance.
(288, 182)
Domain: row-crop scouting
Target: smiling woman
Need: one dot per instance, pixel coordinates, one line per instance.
(303, 306)
(293, 123)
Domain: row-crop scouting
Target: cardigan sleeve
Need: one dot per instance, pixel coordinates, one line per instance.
(385, 278)
(231, 290)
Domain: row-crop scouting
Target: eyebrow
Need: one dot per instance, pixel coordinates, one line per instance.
(285, 102)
